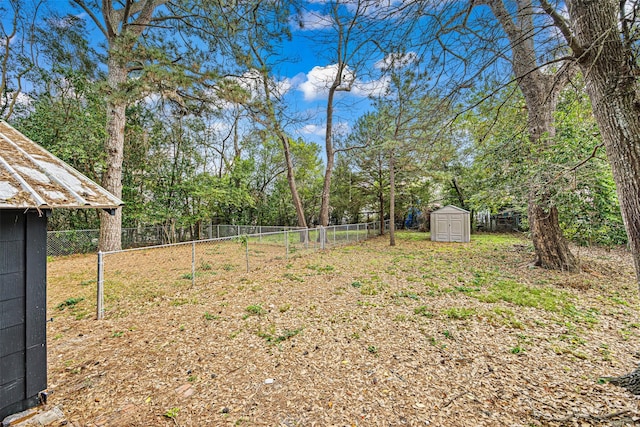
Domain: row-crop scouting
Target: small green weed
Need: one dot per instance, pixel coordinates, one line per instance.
(459, 313)
(209, 316)
(69, 302)
(517, 350)
(172, 413)
(292, 277)
(284, 308)
(272, 338)
(255, 310)
(372, 349)
(406, 294)
(423, 310)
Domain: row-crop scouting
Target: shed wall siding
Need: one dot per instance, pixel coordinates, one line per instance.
(22, 309)
(450, 224)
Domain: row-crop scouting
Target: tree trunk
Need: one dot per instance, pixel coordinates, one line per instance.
(328, 141)
(392, 200)
(552, 250)
(111, 225)
(610, 73)
(540, 91)
(297, 203)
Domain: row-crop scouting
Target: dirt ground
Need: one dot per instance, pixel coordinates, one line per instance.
(418, 334)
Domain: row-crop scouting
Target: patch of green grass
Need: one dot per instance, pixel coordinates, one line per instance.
(372, 349)
(504, 316)
(356, 284)
(321, 269)
(406, 294)
(292, 277)
(183, 301)
(69, 303)
(255, 310)
(209, 316)
(527, 296)
(465, 289)
(366, 304)
(459, 313)
(117, 334)
(369, 289)
(273, 338)
(423, 310)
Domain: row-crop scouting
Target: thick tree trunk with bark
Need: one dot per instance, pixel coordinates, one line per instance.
(111, 225)
(599, 42)
(540, 91)
(552, 250)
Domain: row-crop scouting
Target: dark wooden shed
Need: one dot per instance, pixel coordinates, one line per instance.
(32, 183)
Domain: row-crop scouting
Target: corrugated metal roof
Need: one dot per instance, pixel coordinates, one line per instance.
(31, 177)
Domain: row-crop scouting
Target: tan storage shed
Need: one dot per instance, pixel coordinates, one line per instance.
(451, 224)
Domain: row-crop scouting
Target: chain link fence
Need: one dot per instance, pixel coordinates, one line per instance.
(86, 241)
(203, 260)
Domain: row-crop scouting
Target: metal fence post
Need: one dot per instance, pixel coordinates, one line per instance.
(100, 287)
(286, 243)
(193, 264)
(246, 242)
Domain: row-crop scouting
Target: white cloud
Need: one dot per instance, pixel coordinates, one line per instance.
(312, 129)
(339, 128)
(374, 88)
(319, 80)
(310, 21)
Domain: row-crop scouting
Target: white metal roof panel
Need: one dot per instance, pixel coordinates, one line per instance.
(31, 177)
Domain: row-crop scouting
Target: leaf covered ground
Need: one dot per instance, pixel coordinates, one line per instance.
(422, 333)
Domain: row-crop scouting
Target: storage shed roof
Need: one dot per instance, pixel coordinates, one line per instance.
(31, 177)
(450, 209)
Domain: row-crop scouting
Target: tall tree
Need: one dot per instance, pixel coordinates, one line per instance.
(603, 37)
(18, 58)
(541, 89)
(357, 33)
(122, 25)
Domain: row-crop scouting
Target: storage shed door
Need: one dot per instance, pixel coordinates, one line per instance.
(442, 228)
(456, 227)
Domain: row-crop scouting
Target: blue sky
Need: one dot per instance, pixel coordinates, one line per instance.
(306, 67)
